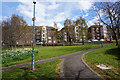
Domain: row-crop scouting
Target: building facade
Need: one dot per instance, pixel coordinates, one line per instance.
(98, 32)
(45, 35)
(74, 33)
(80, 33)
(67, 34)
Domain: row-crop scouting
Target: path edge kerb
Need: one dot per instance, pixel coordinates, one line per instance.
(61, 69)
(89, 66)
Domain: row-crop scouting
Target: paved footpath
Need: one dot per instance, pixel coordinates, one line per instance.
(72, 67)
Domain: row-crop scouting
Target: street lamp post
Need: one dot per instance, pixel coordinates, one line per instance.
(34, 2)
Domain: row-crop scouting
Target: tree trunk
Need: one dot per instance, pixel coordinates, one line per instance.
(82, 41)
(116, 39)
(70, 41)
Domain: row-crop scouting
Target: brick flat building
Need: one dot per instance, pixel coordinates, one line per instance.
(67, 33)
(80, 33)
(98, 32)
(74, 33)
(45, 35)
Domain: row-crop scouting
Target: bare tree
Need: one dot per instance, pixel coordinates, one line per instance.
(13, 29)
(109, 15)
(82, 29)
(69, 29)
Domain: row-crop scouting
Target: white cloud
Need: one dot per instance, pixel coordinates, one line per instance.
(43, 14)
(59, 26)
(85, 15)
(48, 13)
(93, 21)
(60, 17)
(53, 5)
(4, 18)
(75, 18)
(85, 4)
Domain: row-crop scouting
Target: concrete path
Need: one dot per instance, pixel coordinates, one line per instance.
(74, 69)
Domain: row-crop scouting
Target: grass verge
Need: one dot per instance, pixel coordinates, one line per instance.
(44, 71)
(109, 56)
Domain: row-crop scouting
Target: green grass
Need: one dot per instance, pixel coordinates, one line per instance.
(16, 54)
(109, 56)
(52, 51)
(45, 71)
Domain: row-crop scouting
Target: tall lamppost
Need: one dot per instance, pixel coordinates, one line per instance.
(34, 2)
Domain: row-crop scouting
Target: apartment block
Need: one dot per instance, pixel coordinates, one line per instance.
(67, 33)
(45, 35)
(98, 32)
(74, 33)
(80, 33)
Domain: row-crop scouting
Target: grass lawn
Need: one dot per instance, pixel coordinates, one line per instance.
(51, 51)
(44, 71)
(109, 56)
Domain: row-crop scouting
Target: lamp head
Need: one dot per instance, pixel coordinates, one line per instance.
(34, 1)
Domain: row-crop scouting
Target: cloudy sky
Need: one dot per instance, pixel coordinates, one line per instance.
(50, 11)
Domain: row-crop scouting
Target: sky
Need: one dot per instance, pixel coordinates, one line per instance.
(50, 11)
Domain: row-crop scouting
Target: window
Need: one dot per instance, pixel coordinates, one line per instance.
(49, 37)
(65, 32)
(97, 31)
(65, 39)
(38, 33)
(49, 30)
(49, 41)
(98, 37)
(65, 36)
(98, 34)
(43, 39)
(43, 31)
(38, 40)
(43, 35)
(49, 33)
(26, 41)
(38, 37)
(54, 41)
(76, 30)
(97, 28)
(84, 33)
(38, 30)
